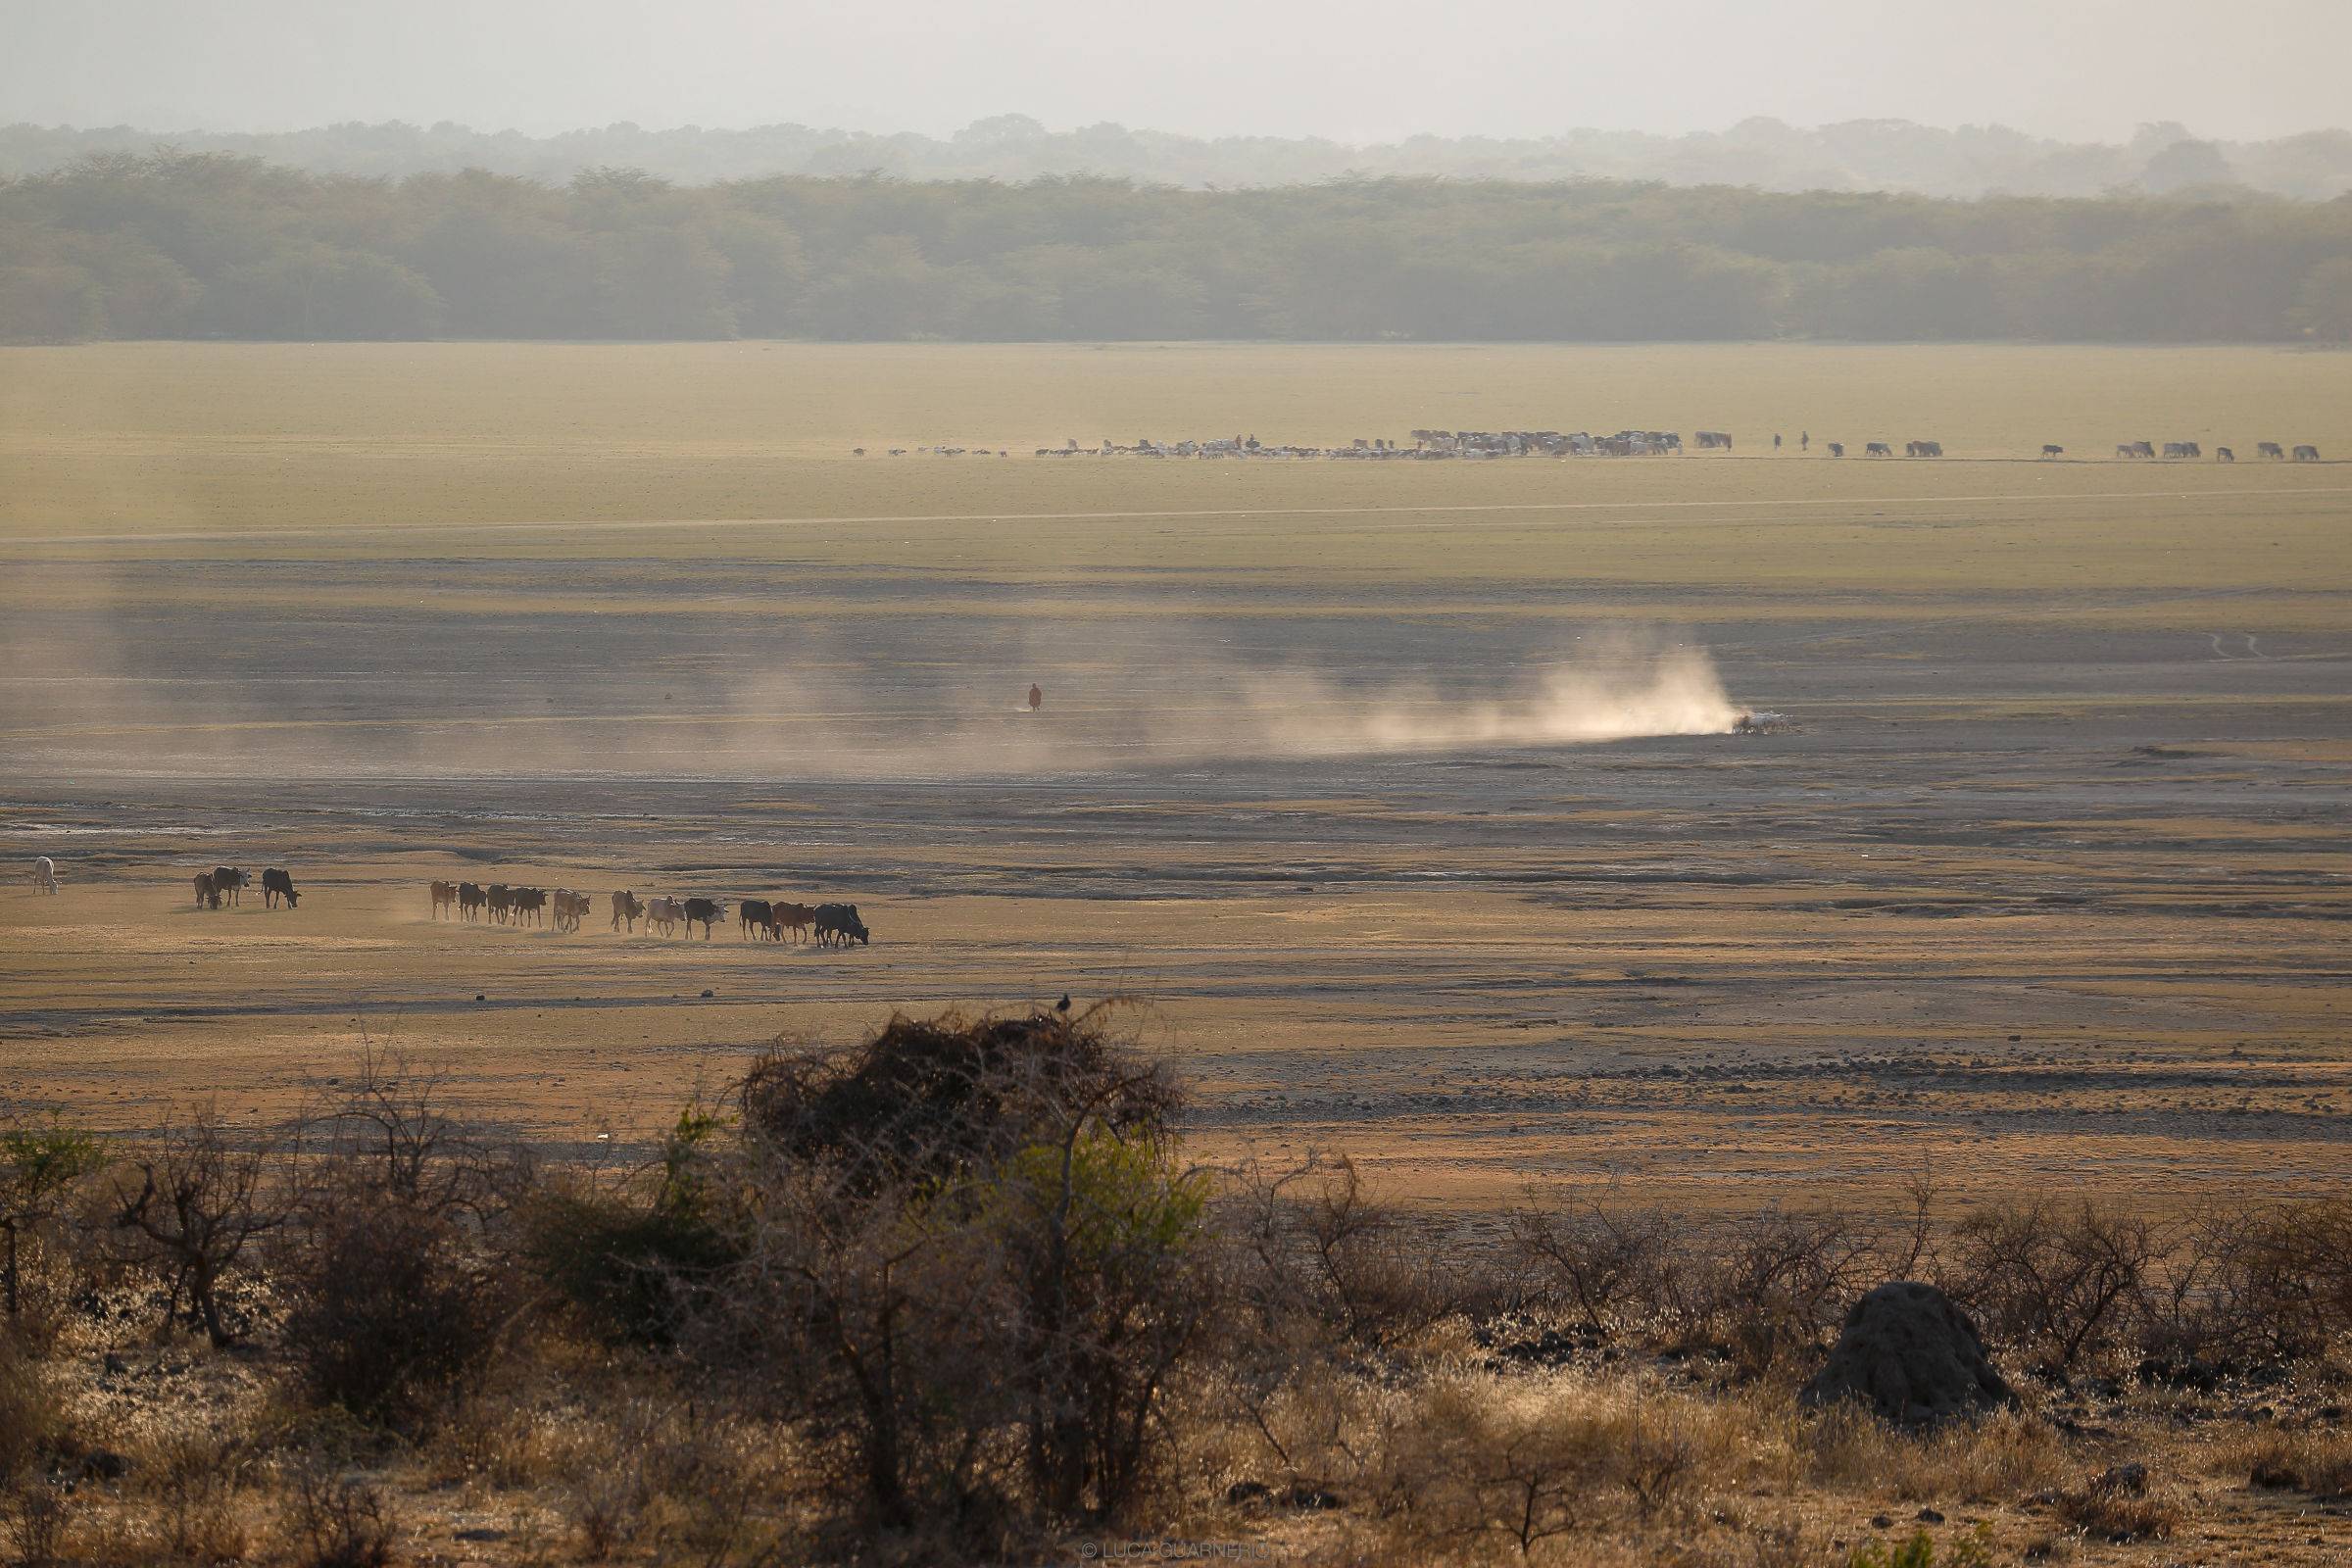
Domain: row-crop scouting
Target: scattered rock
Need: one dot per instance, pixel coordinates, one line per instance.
(483, 1533)
(1242, 1491)
(1928, 1516)
(99, 1464)
(1912, 1355)
(2125, 1480)
(2192, 1373)
(1880, 1521)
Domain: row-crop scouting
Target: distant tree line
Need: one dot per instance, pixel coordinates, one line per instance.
(215, 245)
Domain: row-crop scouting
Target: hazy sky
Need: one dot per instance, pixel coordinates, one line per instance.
(1351, 69)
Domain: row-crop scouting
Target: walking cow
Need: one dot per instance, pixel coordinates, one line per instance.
(704, 911)
(444, 892)
(473, 898)
(626, 907)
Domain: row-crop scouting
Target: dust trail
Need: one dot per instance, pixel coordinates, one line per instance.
(1174, 698)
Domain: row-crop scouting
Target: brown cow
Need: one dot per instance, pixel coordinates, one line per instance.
(794, 917)
(208, 892)
(626, 907)
(445, 893)
(230, 880)
(500, 899)
(471, 899)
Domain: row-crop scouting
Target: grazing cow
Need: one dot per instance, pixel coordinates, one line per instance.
(1878, 448)
(275, 885)
(1923, 448)
(1837, 448)
(2141, 448)
(2307, 454)
(2269, 449)
(228, 881)
(1710, 440)
(2124, 449)
(794, 917)
(665, 914)
(626, 908)
(838, 925)
(501, 900)
(208, 892)
(445, 893)
(531, 902)
(2182, 449)
(471, 899)
(704, 911)
(757, 918)
(2050, 451)
(44, 875)
(2224, 454)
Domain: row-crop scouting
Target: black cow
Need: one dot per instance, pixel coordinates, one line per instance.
(757, 917)
(702, 911)
(837, 925)
(277, 885)
(470, 899)
(228, 882)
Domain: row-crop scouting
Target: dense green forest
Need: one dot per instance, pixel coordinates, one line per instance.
(215, 245)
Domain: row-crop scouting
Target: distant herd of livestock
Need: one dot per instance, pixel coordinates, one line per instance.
(833, 925)
(1474, 445)
(836, 925)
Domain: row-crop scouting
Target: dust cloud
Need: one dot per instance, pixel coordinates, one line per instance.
(1115, 698)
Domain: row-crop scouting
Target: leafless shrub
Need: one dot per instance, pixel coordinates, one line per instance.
(1780, 1279)
(2039, 1272)
(37, 1512)
(335, 1521)
(1322, 1257)
(195, 1474)
(1600, 1257)
(202, 1199)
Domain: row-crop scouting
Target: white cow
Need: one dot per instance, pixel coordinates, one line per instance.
(44, 877)
(665, 914)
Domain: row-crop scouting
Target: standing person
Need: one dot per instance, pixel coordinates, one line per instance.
(1776, 440)
(1804, 440)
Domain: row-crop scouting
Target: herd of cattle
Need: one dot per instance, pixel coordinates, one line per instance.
(2174, 451)
(1481, 444)
(226, 883)
(835, 925)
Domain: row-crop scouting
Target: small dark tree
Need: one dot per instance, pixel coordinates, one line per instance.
(201, 1202)
(38, 1167)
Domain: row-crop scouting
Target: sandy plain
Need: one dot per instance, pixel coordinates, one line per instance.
(2046, 884)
